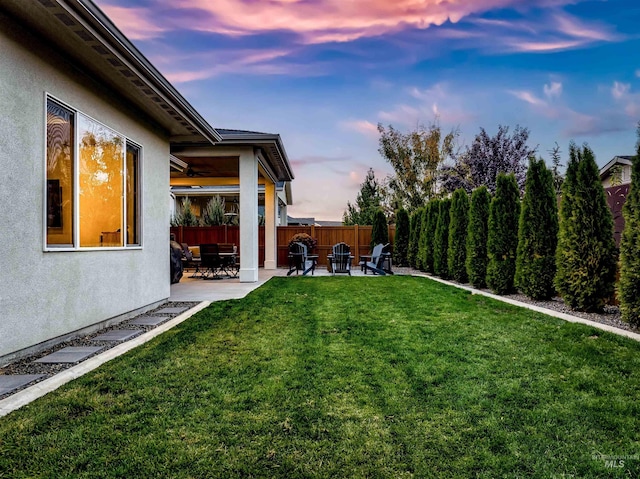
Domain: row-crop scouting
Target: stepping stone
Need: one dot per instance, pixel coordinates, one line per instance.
(14, 381)
(148, 320)
(173, 310)
(117, 335)
(71, 354)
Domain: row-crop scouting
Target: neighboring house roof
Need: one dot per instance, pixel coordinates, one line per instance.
(617, 160)
(270, 143)
(328, 223)
(301, 221)
(95, 45)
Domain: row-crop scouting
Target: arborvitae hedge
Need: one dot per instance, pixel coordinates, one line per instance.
(433, 209)
(424, 239)
(502, 242)
(415, 243)
(477, 234)
(586, 254)
(380, 229)
(412, 239)
(629, 288)
(441, 240)
(458, 224)
(537, 234)
(401, 242)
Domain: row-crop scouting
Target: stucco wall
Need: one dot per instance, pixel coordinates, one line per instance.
(47, 294)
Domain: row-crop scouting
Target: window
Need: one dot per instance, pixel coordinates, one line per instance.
(92, 175)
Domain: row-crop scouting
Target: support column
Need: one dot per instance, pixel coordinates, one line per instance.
(270, 211)
(248, 217)
(283, 216)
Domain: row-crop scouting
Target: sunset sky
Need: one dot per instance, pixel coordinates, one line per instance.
(323, 73)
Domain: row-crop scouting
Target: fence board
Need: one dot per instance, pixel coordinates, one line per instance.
(358, 237)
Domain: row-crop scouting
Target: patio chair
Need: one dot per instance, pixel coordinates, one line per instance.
(378, 257)
(228, 254)
(300, 260)
(210, 261)
(340, 259)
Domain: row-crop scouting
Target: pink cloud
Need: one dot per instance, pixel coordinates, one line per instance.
(362, 126)
(325, 21)
(134, 22)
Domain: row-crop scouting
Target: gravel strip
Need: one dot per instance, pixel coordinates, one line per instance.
(29, 366)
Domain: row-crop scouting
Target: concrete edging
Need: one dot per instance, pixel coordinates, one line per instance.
(548, 312)
(24, 397)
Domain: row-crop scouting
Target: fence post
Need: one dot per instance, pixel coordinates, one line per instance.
(357, 235)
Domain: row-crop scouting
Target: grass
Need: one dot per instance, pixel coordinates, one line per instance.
(345, 377)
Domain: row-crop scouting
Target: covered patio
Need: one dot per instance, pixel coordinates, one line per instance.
(247, 165)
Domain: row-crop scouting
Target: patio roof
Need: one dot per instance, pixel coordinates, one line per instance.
(95, 45)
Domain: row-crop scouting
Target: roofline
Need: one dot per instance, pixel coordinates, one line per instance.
(114, 38)
(256, 138)
(616, 159)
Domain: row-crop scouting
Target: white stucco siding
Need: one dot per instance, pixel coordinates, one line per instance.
(44, 295)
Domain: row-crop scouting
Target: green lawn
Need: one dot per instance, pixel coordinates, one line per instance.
(345, 377)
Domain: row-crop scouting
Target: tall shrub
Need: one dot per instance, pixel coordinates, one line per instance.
(441, 240)
(586, 253)
(417, 229)
(458, 224)
(380, 230)
(424, 239)
(537, 234)
(629, 288)
(184, 216)
(214, 211)
(412, 239)
(477, 234)
(432, 221)
(502, 241)
(401, 243)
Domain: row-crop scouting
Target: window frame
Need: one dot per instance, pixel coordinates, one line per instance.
(76, 186)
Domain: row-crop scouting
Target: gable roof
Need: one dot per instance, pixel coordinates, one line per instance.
(83, 33)
(617, 160)
(270, 143)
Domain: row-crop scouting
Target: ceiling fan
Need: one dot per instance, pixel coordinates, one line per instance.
(190, 172)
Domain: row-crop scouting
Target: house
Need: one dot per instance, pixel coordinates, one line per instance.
(616, 172)
(616, 178)
(86, 137)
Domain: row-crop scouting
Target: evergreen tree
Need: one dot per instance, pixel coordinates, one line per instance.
(629, 288)
(441, 239)
(416, 242)
(368, 201)
(586, 253)
(502, 242)
(458, 225)
(412, 250)
(477, 235)
(432, 221)
(401, 243)
(537, 234)
(380, 230)
(424, 239)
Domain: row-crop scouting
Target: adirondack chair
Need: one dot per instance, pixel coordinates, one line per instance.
(378, 257)
(340, 259)
(300, 260)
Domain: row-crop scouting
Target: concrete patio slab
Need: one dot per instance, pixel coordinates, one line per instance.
(117, 335)
(148, 320)
(72, 354)
(10, 382)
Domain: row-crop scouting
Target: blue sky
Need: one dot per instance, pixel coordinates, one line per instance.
(323, 73)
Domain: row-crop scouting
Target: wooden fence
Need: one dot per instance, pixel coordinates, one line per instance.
(358, 237)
